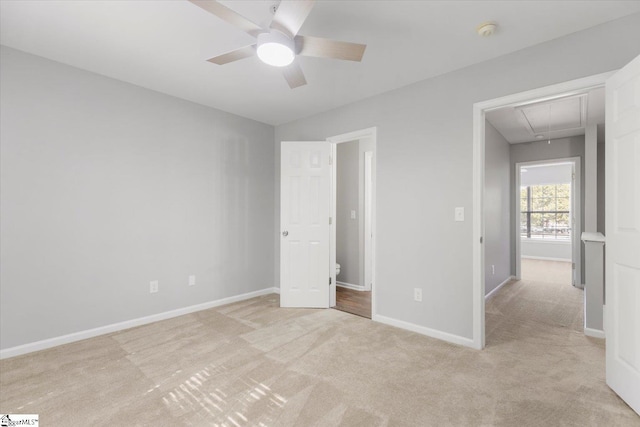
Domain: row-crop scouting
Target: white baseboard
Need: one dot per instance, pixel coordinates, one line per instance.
(543, 258)
(444, 336)
(114, 327)
(497, 288)
(595, 333)
(276, 291)
(350, 286)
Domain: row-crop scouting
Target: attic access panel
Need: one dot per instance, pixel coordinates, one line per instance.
(555, 115)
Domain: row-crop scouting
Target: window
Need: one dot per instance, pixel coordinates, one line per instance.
(545, 212)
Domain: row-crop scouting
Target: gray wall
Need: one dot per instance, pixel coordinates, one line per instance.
(555, 251)
(497, 209)
(106, 186)
(348, 199)
(541, 150)
(424, 166)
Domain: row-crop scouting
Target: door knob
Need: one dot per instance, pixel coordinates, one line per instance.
(285, 233)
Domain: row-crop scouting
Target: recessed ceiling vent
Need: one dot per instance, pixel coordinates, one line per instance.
(542, 118)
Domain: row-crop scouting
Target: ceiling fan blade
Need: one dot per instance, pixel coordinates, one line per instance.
(290, 15)
(229, 15)
(326, 48)
(294, 75)
(234, 55)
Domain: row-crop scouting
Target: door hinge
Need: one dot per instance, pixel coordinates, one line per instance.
(329, 280)
(330, 221)
(573, 265)
(330, 160)
(480, 239)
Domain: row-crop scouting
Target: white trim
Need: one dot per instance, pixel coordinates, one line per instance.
(479, 109)
(333, 209)
(478, 227)
(276, 290)
(352, 136)
(368, 210)
(350, 286)
(115, 327)
(444, 336)
(595, 333)
(547, 241)
(497, 288)
(372, 133)
(544, 258)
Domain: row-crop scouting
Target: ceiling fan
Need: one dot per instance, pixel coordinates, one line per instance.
(279, 44)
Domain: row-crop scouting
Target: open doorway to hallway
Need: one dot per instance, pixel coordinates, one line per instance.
(617, 286)
(534, 211)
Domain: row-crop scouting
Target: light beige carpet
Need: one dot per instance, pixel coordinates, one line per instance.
(546, 271)
(254, 364)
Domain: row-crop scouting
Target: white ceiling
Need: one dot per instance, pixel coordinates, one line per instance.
(163, 45)
(560, 118)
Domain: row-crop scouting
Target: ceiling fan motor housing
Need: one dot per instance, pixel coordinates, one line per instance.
(275, 48)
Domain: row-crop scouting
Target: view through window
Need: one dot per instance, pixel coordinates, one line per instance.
(545, 212)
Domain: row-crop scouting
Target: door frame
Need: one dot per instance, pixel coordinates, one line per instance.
(479, 110)
(368, 133)
(576, 213)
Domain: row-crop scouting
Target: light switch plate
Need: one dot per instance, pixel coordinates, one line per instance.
(459, 215)
(192, 280)
(353, 214)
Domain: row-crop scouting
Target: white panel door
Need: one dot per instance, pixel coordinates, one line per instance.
(304, 224)
(622, 158)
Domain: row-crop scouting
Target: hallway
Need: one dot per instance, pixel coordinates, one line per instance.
(542, 304)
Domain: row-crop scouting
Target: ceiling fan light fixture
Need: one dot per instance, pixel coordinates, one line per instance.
(275, 48)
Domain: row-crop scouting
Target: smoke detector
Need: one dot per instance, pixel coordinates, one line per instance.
(486, 29)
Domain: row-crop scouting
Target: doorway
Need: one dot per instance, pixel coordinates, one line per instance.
(541, 95)
(308, 192)
(548, 220)
(353, 213)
